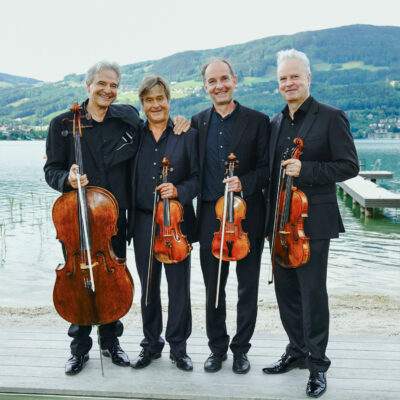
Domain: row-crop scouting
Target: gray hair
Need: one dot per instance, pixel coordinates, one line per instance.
(149, 82)
(289, 54)
(213, 60)
(101, 66)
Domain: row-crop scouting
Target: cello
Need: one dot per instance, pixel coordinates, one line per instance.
(230, 243)
(290, 246)
(94, 286)
(170, 246)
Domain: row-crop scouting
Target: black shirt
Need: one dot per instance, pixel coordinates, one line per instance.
(288, 132)
(149, 165)
(219, 139)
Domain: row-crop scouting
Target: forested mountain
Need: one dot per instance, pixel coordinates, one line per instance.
(7, 80)
(356, 68)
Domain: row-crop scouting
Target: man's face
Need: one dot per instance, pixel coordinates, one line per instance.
(219, 83)
(156, 105)
(294, 81)
(103, 90)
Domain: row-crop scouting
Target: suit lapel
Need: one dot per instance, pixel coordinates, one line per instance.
(172, 142)
(240, 125)
(204, 125)
(309, 120)
(275, 129)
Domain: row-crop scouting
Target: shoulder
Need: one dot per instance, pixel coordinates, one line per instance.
(127, 113)
(202, 114)
(327, 109)
(57, 122)
(254, 113)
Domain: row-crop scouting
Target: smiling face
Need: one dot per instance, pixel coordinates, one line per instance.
(219, 83)
(103, 90)
(156, 105)
(294, 82)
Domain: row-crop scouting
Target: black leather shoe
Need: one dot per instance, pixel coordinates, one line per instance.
(184, 363)
(75, 364)
(241, 364)
(285, 364)
(118, 356)
(144, 359)
(316, 385)
(214, 362)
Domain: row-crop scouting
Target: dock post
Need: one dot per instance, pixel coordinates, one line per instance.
(369, 212)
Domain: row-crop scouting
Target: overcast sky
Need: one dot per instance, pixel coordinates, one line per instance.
(47, 39)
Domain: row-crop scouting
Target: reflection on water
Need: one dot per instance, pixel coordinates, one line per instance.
(365, 260)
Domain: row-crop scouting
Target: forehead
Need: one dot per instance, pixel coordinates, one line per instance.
(106, 75)
(156, 91)
(217, 68)
(291, 66)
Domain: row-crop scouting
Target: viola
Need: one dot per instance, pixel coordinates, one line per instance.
(94, 286)
(290, 246)
(230, 243)
(170, 246)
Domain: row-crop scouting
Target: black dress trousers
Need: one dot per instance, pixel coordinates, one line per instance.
(303, 305)
(109, 333)
(179, 324)
(247, 272)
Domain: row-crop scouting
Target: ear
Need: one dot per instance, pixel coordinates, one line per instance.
(309, 79)
(88, 86)
(235, 80)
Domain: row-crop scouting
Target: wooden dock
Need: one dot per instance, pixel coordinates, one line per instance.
(32, 362)
(368, 194)
(374, 175)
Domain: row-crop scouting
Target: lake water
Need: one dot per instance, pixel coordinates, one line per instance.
(365, 260)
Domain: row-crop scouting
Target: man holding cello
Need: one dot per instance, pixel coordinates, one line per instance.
(228, 127)
(159, 147)
(328, 156)
(109, 143)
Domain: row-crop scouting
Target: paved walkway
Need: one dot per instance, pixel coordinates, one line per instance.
(32, 361)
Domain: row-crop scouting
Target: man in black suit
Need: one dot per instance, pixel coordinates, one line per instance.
(156, 142)
(228, 127)
(108, 145)
(329, 156)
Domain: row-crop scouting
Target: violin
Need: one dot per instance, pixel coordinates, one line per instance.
(290, 246)
(230, 243)
(170, 246)
(94, 286)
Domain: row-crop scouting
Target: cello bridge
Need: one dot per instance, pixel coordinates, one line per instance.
(85, 266)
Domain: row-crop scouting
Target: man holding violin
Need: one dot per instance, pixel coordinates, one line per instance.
(329, 156)
(109, 143)
(157, 142)
(228, 127)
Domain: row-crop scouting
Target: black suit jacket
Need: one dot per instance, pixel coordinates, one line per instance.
(182, 154)
(61, 153)
(329, 156)
(250, 145)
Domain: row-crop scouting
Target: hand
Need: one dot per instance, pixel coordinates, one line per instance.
(181, 125)
(234, 184)
(73, 179)
(293, 167)
(167, 191)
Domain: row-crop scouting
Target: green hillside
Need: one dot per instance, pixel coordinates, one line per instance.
(356, 68)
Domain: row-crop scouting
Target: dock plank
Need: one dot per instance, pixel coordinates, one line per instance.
(368, 194)
(32, 361)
